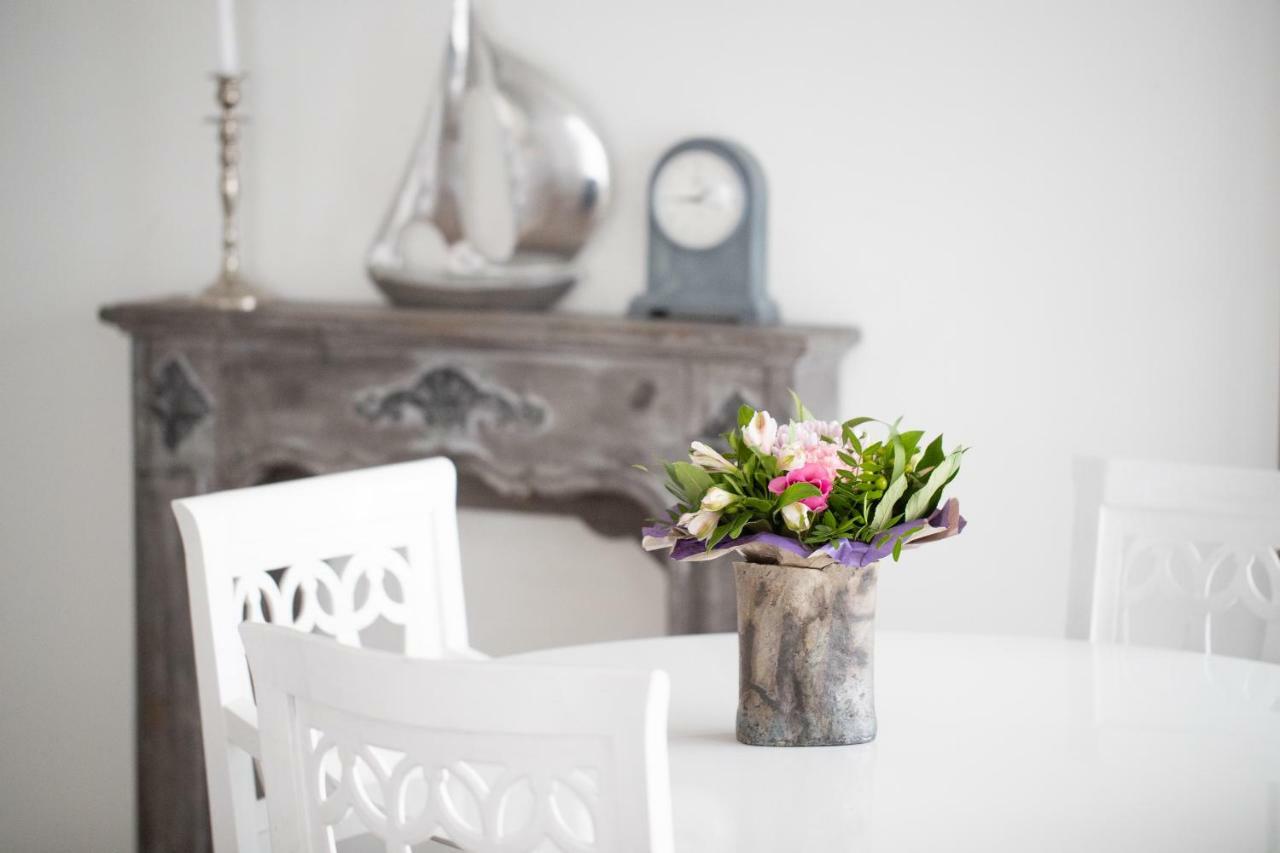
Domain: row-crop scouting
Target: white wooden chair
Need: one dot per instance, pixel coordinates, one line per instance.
(493, 757)
(1179, 555)
(339, 554)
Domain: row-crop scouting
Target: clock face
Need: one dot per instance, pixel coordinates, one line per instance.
(698, 199)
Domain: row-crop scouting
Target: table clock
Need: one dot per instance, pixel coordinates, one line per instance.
(707, 221)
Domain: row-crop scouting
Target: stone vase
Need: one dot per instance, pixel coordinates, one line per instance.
(806, 643)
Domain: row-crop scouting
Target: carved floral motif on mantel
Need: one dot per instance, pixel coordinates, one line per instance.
(450, 400)
(176, 401)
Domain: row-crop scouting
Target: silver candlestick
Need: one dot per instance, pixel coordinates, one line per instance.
(230, 290)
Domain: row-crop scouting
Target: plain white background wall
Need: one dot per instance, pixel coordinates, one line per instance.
(1056, 224)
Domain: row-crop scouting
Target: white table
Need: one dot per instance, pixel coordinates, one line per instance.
(985, 743)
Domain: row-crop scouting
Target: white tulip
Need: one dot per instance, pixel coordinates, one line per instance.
(708, 459)
(797, 517)
(700, 524)
(791, 457)
(717, 499)
(760, 432)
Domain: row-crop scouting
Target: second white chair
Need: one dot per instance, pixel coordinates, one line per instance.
(494, 757)
(1180, 555)
(332, 554)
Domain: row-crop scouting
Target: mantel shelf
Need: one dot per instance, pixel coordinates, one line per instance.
(499, 330)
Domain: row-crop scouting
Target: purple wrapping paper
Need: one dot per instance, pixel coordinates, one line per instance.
(945, 522)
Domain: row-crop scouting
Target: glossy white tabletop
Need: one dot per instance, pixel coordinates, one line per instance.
(985, 743)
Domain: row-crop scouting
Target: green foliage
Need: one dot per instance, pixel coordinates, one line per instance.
(691, 480)
(883, 482)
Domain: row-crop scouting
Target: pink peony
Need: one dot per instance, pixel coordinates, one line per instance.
(825, 455)
(815, 474)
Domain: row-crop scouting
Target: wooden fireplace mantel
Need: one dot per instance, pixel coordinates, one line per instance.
(545, 412)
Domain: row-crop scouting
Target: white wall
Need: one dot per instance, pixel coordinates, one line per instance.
(1055, 223)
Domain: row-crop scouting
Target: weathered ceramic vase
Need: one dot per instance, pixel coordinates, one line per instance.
(806, 643)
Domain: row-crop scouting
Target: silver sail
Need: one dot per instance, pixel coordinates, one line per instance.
(505, 184)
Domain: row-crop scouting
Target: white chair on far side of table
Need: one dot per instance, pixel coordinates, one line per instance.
(340, 554)
(1178, 555)
(494, 757)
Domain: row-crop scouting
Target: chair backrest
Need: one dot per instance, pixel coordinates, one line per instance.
(332, 554)
(1182, 555)
(489, 756)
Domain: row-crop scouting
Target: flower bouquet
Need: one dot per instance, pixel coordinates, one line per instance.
(811, 507)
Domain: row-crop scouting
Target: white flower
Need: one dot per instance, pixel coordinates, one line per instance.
(708, 459)
(700, 524)
(717, 499)
(797, 517)
(791, 457)
(760, 432)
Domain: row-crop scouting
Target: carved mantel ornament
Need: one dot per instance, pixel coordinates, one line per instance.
(448, 399)
(177, 402)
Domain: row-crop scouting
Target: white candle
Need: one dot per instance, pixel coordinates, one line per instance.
(228, 52)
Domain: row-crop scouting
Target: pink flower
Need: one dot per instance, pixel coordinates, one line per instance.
(815, 474)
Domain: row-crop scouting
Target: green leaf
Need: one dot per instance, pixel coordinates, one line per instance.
(691, 479)
(850, 438)
(899, 459)
(853, 423)
(937, 498)
(798, 491)
(933, 454)
(733, 438)
(721, 531)
(745, 414)
(911, 441)
(848, 460)
(918, 503)
(740, 521)
(884, 509)
(802, 413)
(902, 539)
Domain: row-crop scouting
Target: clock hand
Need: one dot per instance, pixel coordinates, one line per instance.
(693, 198)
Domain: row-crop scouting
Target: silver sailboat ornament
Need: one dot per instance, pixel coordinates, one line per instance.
(505, 184)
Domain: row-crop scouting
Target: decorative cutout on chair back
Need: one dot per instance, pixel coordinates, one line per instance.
(418, 784)
(1197, 587)
(340, 597)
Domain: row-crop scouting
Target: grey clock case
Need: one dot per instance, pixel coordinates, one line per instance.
(725, 282)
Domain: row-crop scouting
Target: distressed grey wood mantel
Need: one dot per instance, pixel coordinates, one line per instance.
(541, 412)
